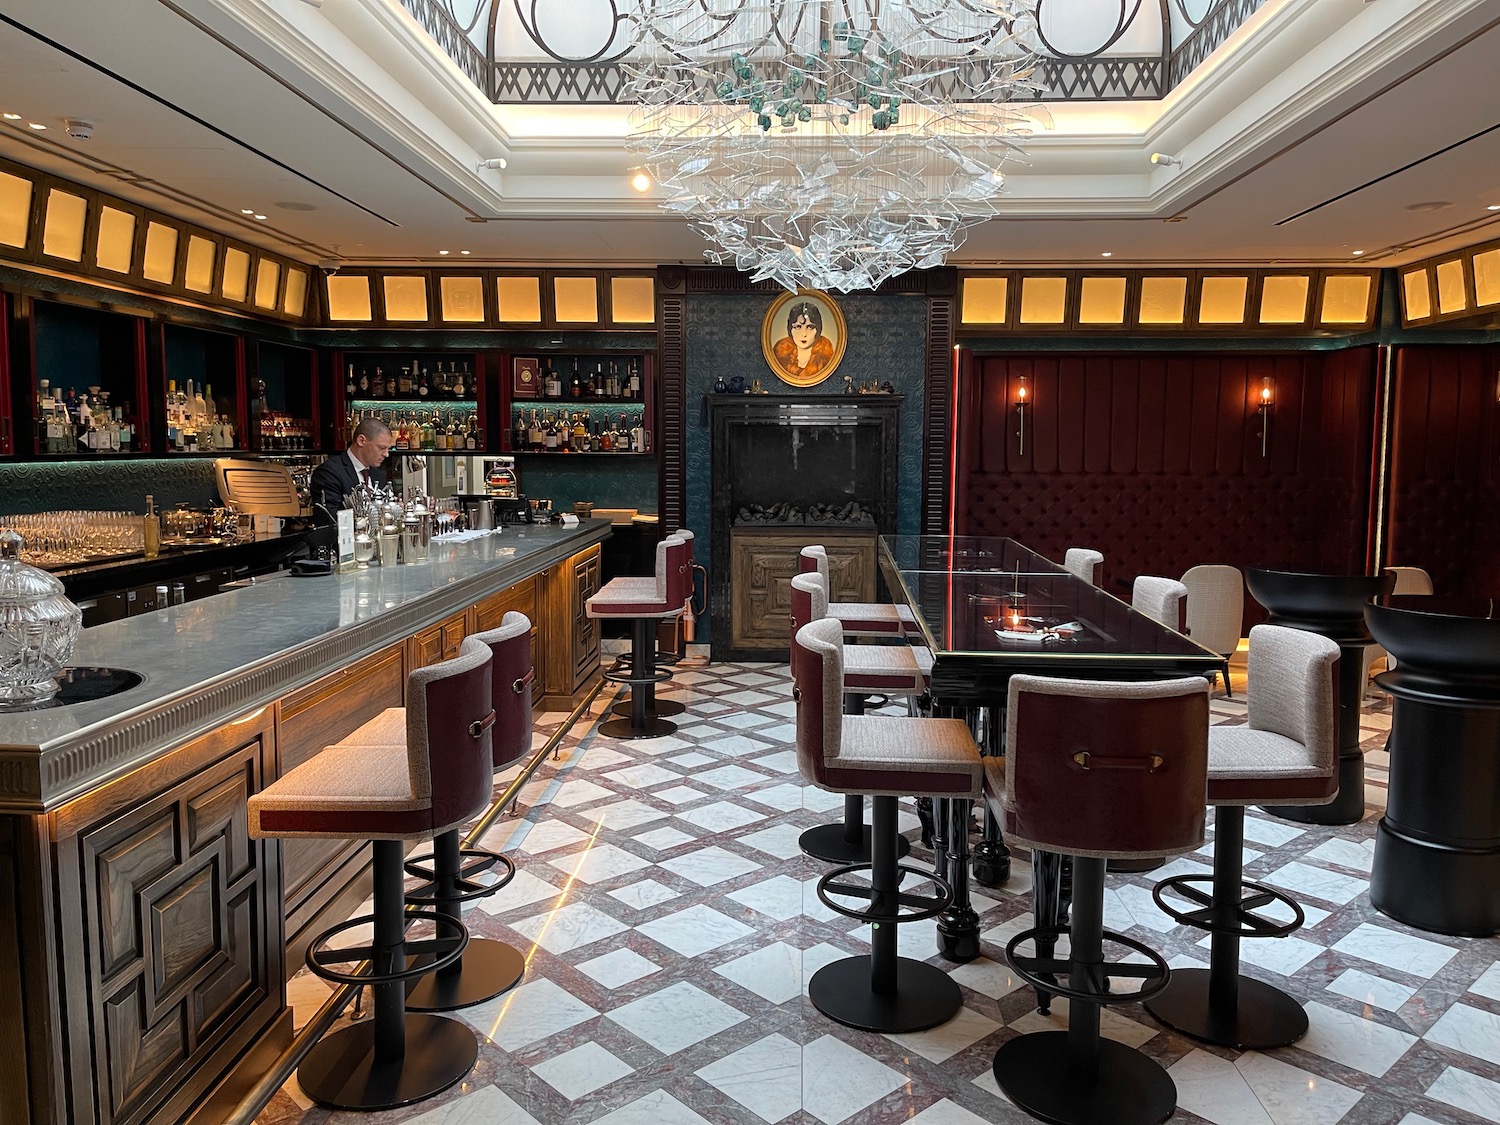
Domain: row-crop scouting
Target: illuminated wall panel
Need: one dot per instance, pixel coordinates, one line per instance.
(1283, 299)
(632, 300)
(349, 298)
(15, 210)
(161, 253)
(1101, 300)
(1043, 300)
(462, 299)
(62, 230)
(984, 299)
(1221, 300)
(115, 249)
(575, 300)
(520, 299)
(1163, 300)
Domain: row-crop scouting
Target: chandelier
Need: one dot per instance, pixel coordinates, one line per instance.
(830, 144)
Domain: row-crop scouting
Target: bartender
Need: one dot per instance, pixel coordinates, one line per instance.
(357, 468)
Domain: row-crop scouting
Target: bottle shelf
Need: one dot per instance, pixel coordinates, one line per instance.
(412, 403)
(527, 403)
(559, 453)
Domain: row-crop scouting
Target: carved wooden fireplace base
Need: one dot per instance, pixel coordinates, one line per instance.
(762, 563)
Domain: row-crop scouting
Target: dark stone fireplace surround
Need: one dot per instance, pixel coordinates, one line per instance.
(871, 420)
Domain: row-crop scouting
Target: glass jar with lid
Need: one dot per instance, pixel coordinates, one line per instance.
(38, 628)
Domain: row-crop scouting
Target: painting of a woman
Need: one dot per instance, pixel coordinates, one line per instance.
(814, 339)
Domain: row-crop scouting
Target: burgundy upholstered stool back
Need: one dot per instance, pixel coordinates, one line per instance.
(818, 675)
(808, 602)
(450, 714)
(511, 671)
(1111, 769)
(813, 559)
(679, 572)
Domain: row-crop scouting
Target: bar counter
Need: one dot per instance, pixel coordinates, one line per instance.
(143, 954)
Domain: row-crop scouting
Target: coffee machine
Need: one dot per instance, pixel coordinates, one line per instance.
(503, 484)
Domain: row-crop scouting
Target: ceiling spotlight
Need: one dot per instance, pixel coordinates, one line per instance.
(12, 117)
(261, 217)
(1107, 254)
(443, 253)
(640, 181)
(37, 125)
(498, 162)
(465, 253)
(1357, 253)
(1165, 160)
(1491, 207)
(247, 210)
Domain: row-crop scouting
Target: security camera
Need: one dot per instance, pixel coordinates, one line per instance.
(79, 129)
(329, 266)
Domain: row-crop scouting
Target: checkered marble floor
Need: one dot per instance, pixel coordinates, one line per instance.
(670, 926)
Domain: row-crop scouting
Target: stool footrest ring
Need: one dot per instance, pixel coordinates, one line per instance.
(1042, 972)
(1228, 917)
(466, 886)
(922, 906)
(319, 958)
(626, 676)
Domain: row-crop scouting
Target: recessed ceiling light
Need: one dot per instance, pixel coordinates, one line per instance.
(262, 217)
(1429, 205)
(37, 125)
(1357, 253)
(464, 252)
(1493, 207)
(247, 210)
(12, 117)
(640, 181)
(1107, 254)
(444, 253)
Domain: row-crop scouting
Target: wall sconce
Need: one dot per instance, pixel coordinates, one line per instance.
(1023, 401)
(1265, 402)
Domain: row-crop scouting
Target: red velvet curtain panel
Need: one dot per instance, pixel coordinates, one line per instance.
(1155, 459)
(1444, 488)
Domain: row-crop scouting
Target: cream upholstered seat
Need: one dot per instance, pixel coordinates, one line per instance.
(1160, 599)
(1084, 562)
(860, 619)
(885, 759)
(1216, 610)
(644, 602)
(1287, 754)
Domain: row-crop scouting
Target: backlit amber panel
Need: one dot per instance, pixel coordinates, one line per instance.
(161, 253)
(115, 249)
(1043, 300)
(405, 297)
(1487, 278)
(267, 283)
(349, 298)
(15, 210)
(1450, 286)
(236, 274)
(1283, 299)
(984, 299)
(462, 299)
(1163, 300)
(1346, 299)
(1221, 300)
(62, 230)
(202, 256)
(295, 300)
(575, 300)
(1418, 296)
(520, 299)
(632, 300)
(1101, 300)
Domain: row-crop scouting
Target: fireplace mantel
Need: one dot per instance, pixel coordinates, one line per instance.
(796, 449)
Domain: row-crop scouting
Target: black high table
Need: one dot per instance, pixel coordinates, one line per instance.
(990, 608)
(1437, 848)
(1332, 606)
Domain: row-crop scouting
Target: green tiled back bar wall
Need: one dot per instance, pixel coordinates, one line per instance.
(110, 486)
(627, 482)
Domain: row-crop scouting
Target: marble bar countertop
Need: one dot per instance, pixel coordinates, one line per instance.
(212, 661)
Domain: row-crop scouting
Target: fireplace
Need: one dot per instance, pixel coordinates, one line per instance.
(790, 470)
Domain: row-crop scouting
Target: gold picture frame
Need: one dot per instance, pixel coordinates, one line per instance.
(810, 310)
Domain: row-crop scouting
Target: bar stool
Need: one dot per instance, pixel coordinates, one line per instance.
(372, 793)
(891, 670)
(1097, 771)
(860, 619)
(1159, 599)
(644, 602)
(1286, 754)
(1084, 562)
(884, 759)
(662, 708)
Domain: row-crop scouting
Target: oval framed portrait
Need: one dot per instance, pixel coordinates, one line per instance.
(803, 337)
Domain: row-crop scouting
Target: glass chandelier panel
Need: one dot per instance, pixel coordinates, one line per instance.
(830, 144)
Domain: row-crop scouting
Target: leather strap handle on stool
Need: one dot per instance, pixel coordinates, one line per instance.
(520, 685)
(1099, 762)
(479, 726)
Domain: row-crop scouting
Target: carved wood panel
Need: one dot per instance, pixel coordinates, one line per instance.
(584, 629)
(180, 945)
(762, 565)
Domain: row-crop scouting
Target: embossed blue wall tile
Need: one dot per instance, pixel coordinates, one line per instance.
(108, 486)
(624, 482)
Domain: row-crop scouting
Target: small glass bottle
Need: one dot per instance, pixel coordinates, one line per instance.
(151, 529)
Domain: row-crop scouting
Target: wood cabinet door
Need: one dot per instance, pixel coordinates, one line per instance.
(762, 565)
(584, 629)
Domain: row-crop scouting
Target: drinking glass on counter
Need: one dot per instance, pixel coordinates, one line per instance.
(69, 538)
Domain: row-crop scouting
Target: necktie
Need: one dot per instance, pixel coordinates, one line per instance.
(368, 482)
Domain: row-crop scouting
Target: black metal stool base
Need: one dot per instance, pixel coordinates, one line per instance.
(1264, 1016)
(665, 708)
(991, 863)
(341, 1071)
(1127, 1088)
(924, 996)
(488, 968)
(831, 843)
(624, 729)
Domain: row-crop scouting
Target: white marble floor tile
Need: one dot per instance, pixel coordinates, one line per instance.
(653, 747)
(485, 1106)
(619, 968)
(765, 1077)
(1468, 1092)
(1345, 853)
(1368, 989)
(756, 679)
(1467, 1029)
(1182, 865)
(715, 707)
(945, 1112)
(305, 994)
(940, 1043)
(1360, 1044)
(1404, 952)
(599, 864)
(676, 1017)
(1247, 855)
(527, 1014)
(787, 709)
(523, 890)
(642, 776)
(784, 761)
(744, 720)
(646, 893)
(1112, 1025)
(839, 1081)
(1287, 956)
(812, 905)
(708, 866)
(1139, 908)
(568, 928)
(601, 758)
(785, 798)
(779, 840)
(664, 839)
(581, 1071)
(656, 1108)
(773, 973)
(1271, 833)
(1488, 983)
(748, 698)
(691, 760)
(680, 795)
(730, 776)
(990, 978)
(1417, 1119)
(1291, 1095)
(694, 931)
(721, 816)
(580, 792)
(1330, 886)
(550, 835)
(1214, 1089)
(779, 898)
(621, 816)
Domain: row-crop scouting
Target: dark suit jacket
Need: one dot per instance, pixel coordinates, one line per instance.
(334, 479)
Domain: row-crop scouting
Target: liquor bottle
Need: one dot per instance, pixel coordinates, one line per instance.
(551, 382)
(349, 384)
(575, 386)
(127, 439)
(551, 434)
(518, 437)
(151, 529)
(403, 381)
(364, 381)
(474, 439)
(596, 381)
(377, 384)
(398, 435)
(210, 407)
(635, 380)
(461, 381)
(424, 388)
